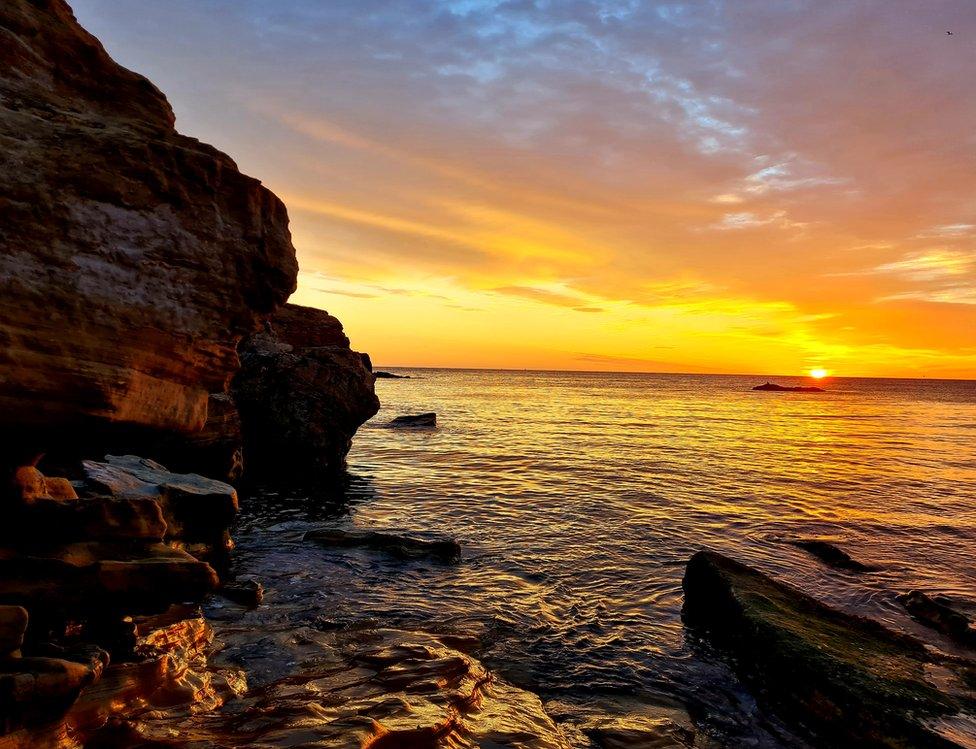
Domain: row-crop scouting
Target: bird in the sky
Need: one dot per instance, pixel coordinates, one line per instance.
(949, 33)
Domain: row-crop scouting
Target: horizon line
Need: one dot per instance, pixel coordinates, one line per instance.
(387, 367)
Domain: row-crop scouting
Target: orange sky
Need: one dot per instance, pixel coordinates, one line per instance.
(607, 184)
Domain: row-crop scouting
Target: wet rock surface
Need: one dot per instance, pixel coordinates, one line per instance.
(447, 551)
(942, 614)
(843, 680)
(381, 688)
(831, 554)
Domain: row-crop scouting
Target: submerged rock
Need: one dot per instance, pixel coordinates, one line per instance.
(302, 393)
(941, 614)
(844, 680)
(134, 258)
(831, 555)
(415, 420)
(771, 387)
(384, 689)
(402, 547)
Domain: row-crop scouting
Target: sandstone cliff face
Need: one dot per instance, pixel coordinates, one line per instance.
(132, 258)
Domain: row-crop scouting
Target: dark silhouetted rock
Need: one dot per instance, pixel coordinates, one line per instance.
(402, 547)
(134, 258)
(415, 420)
(215, 451)
(302, 393)
(13, 625)
(831, 555)
(844, 680)
(770, 387)
(940, 613)
(390, 376)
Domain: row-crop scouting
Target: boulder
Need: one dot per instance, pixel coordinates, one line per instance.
(195, 508)
(426, 420)
(841, 679)
(302, 393)
(215, 451)
(390, 376)
(13, 625)
(88, 519)
(247, 593)
(134, 258)
(402, 547)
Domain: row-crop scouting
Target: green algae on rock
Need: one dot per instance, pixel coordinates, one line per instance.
(844, 680)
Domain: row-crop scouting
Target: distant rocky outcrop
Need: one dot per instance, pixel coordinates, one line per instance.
(301, 393)
(772, 387)
(133, 258)
(843, 680)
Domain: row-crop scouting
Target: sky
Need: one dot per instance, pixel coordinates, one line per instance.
(744, 186)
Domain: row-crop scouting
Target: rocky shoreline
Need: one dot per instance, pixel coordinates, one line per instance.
(150, 363)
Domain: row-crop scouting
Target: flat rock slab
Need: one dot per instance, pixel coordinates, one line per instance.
(91, 518)
(195, 508)
(402, 547)
(40, 689)
(845, 680)
(95, 577)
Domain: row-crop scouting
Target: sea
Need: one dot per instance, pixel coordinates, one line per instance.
(578, 497)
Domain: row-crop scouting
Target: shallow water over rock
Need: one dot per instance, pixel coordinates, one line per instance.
(578, 499)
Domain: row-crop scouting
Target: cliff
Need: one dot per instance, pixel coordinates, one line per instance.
(133, 261)
(133, 258)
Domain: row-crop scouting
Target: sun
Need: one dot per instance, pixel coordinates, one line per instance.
(818, 373)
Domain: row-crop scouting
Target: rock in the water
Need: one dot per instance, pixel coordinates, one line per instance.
(195, 508)
(134, 258)
(248, 593)
(940, 613)
(302, 393)
(390, 376)
(402, 547)
(771, 387)
(415, 420)
(845, 680)
(13, 625)
(831, 555)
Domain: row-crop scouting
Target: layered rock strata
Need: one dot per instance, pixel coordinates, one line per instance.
(133, 258)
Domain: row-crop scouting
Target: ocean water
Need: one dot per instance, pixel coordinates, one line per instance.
(578, 497)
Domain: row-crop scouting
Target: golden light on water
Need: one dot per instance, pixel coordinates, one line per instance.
(818, 373)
